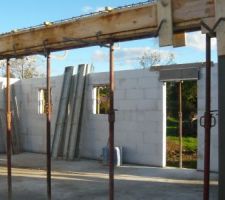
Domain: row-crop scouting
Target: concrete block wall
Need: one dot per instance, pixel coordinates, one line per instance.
(201, 110)
(2, 105)
(139, 119)
(33, 124)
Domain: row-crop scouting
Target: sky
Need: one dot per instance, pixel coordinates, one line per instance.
(25, 13)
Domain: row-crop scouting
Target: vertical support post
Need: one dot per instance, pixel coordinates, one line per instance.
(48, 127)
(9, 130)
(111, 124)
(220, 35)
(98, 100)
(221, 118)
(180, 124)
(207, 123)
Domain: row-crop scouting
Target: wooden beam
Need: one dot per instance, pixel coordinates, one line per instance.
(165, 17)
(220, 30)
(116, 25)
(220, 33)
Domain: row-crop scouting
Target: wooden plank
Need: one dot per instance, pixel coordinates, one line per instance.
(210, 23)
(76, 112)
(179, 39)
(220, 31)
(165, 14)
(117, 25)
(62, 111)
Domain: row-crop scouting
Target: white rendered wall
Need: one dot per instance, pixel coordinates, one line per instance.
(201, 110)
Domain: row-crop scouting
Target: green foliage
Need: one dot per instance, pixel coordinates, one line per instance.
(189, 98)
(189, 108)
(189, 143)
(24, 67)
(104, 100)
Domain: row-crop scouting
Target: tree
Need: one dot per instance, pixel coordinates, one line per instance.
(152, 58)
(23, 68)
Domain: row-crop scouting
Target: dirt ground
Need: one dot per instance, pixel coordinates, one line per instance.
(88, 179)
(189, 158)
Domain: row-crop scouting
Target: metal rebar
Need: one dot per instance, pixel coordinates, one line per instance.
(111, 124)
(207, 117)
(48, 127)
(180, 124)
(8, 131)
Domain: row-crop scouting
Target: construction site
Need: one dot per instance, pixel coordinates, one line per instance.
(61, 139)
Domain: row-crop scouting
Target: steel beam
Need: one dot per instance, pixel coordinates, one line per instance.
(48, 126)
(9, 130)
(111, 123)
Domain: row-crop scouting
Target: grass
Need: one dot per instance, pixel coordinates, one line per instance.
(189, 143)
(189, 146)
(172, 126)
(189, 153)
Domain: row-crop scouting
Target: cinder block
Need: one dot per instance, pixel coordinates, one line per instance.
(129, 74)
(154, 93)
(120, 94)
(127, 105)
(148, 128)
(135, 94)
(149, 104)
(98, 78)
(153, 116)
(128, 115)
(149, 82)
(127, 126)
(127, 83)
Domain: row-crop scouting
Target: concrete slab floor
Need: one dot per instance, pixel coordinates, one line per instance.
(88, 179)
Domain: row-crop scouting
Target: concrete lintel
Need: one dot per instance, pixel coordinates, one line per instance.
(179, 74)
(178, 66)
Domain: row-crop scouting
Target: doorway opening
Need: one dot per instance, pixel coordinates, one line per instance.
(181, 103)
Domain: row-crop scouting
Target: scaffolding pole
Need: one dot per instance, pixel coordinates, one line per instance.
(111, 123)
(180, 125)
(8, 131)
(207, 117)
(48, 126)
